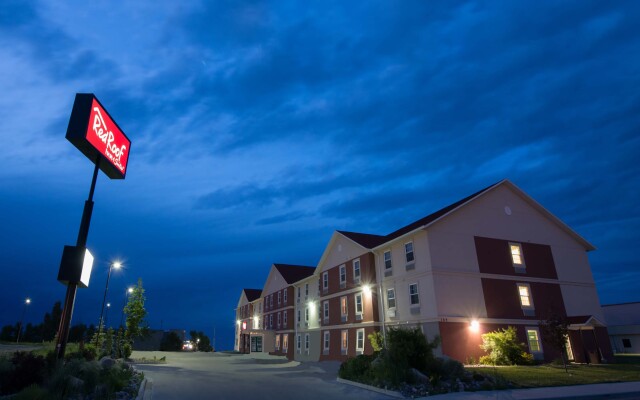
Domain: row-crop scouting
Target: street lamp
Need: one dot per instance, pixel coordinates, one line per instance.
(126, 296)
(106, 323)
(27, 301)
(116, 265)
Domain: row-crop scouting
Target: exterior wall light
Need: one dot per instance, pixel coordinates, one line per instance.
(366, 289)
(474, 326)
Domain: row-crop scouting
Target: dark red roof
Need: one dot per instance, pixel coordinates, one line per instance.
(294, 273)
(252, 294)
(370, 241)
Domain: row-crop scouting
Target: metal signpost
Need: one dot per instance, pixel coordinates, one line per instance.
(92, 130)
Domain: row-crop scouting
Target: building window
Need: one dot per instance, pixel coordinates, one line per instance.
(279, 298)
(259, 307)
(408, 252)
(298, 343)
(306, 289)
(356, 271)
(533, 337)
(299, 289)
(516, 256)
(285, 342)
(279, 320)
(306, 314)
(298, 315)
(343, 306)
(626, 343)
(277, 342)
(568, 348)
(391, 298)
(414, 297)
(344, 341)
(306, 342)
(270, 320)
(343, 276)
(327, 336)
(325, 305)
(524, 291)
(284, 319)
(387, 259)
(325, 281)
(285, 296)
(358, 298)
(271, 300)
(360, 340)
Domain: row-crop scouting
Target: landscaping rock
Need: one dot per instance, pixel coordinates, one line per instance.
(107, 362)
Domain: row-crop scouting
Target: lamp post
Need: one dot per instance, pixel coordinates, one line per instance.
(27, 301)
(116, 265)
(106, 323)
(126, 296)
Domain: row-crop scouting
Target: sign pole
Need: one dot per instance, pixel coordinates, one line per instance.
(72, 287)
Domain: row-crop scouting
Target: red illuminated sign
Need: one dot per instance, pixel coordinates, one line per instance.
(244, 325)
(92, 130)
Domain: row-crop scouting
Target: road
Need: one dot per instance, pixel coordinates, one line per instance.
(222, 376)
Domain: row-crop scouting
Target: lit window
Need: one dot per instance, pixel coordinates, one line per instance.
(567, 346)
(391, 298)
(285, 342)
(277, 342)
(327, 336)
(326, 310)
(306, 342)
(358, 303)
(516, 254)
(343, 306)
(360, 340)
(413, 294)
(524, 291)
(408, 252)
(356, 271)
(325, 281)
(343, 275)
(533, 337)
(344, 341)
(387, 259)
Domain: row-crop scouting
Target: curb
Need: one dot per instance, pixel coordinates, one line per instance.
(390, 393)
(146, 390)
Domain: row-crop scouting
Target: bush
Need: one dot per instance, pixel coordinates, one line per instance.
(504, 349)
(357, 369)
(377, 341)
(25, 369)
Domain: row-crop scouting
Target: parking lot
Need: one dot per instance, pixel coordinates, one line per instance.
(189, 375)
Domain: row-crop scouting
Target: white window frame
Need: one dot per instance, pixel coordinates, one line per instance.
(306, 289)
(343, 275)
(357, 268)
(270, 321)
(285, 296)
(538, 341)
(325, 281)
(326, 342)
(412, 252)
(277, 342)
(271, 300)
(284, 319)
(359, 339)
(299, 290)
(325, 312)
(417, 294)
(393, 297)
(279, 297)
(298, 342)
(307, 342)
(285, 342)
(356, 297)
(521, 265)
(279, 319)
(529, 296)
(344, 306)
(306, 314)
(387, 266)
(298, 315)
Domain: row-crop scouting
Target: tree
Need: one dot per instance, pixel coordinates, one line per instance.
(377, 341)
(171, 342)
(555, 330)
(136, 326)
(202, 341)
(504, 349)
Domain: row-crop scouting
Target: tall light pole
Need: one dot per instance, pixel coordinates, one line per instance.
(107, 318)
(27, 301)
(126, 296)
(116, 265)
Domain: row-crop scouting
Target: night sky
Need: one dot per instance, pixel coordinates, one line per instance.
(259, 128)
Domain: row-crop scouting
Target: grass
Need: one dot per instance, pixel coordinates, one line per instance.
(554, 375)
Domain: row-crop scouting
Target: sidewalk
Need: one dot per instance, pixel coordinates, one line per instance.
(623, 390)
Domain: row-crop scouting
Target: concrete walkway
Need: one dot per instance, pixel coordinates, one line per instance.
(224, 376)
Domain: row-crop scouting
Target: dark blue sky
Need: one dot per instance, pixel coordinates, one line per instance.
(259, 128)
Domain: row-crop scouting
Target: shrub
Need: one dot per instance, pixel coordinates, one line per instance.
(25, 369)
(504, 349)
(377, 341)
(357, 369)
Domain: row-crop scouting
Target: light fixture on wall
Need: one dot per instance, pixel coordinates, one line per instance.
(474, 326)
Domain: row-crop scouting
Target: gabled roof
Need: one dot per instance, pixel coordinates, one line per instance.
(372, 241)
(584, 321)
(294, 273)
(252, 294)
